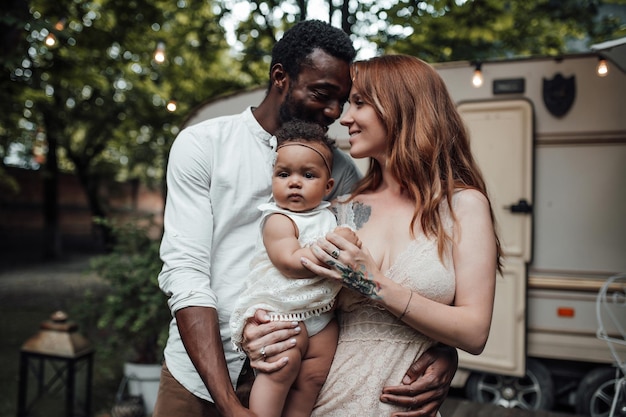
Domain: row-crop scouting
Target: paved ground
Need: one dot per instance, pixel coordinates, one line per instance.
(48, 282)
(29, 292)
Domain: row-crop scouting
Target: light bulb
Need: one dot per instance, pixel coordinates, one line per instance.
(603, 68)
(477, 79)
(159, 53)
(50, 40)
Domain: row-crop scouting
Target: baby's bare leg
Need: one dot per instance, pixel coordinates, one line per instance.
(269, 391)
(313, 372)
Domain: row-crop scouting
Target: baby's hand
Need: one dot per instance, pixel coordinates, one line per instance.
(348, 234)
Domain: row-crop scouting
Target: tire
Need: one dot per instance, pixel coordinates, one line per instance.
(533, 391)
(596, 392)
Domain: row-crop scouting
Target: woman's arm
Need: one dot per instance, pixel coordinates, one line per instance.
(466, 323)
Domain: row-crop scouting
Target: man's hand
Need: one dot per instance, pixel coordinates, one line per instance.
(264, 339)
(426, 383)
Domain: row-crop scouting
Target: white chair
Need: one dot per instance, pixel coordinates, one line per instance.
(611, 315)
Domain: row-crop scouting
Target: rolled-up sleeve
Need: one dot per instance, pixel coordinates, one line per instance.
(188, 226)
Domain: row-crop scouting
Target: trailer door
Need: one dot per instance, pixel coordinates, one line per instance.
(501, 135)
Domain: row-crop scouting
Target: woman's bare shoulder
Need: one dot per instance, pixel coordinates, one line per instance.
(470, 200)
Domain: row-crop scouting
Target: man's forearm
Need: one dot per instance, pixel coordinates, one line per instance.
(200, 333)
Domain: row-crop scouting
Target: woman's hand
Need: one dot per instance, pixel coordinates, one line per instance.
(426, 383)
(264, 339)
(346, 262)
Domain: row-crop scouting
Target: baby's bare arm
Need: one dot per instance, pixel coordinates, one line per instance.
(280, 237)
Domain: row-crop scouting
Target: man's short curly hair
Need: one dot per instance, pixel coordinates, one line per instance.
(294, 48)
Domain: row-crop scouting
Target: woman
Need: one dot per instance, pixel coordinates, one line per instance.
(426, 271)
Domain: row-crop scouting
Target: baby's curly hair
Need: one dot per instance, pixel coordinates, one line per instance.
(294, 48)
(301, 131)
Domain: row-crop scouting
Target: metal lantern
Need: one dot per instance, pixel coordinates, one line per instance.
(56, 368)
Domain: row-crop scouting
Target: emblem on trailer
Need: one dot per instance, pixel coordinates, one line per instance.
(559, 94)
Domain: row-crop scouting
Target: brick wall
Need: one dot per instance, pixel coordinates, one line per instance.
(22, 221)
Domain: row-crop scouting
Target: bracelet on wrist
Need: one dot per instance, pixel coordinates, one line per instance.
(406, 308)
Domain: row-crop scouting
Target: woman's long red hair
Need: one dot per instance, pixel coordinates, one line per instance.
(428, 150)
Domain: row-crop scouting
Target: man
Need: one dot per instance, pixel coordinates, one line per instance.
(219, 171)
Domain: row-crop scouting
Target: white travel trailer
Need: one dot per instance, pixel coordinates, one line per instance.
(550, 137)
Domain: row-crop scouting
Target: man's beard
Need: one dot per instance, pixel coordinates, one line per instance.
(290, 110)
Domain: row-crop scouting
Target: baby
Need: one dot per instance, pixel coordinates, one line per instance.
(279, 284)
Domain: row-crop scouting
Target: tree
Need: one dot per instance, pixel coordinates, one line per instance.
(86, 88)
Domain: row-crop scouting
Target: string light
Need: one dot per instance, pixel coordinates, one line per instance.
(477, 78)
(159, 53)
(171, 106)
(50, 40)
(603, 68)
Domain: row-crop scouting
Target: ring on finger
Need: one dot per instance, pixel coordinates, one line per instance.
(335, 253)
(262, 351)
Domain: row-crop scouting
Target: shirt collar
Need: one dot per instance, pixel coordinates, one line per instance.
(257, 130)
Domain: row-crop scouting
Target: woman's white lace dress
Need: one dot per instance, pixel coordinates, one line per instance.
(375, 350)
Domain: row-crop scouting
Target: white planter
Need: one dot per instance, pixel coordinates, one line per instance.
(143, 379)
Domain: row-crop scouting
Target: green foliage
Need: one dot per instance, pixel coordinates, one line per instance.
(446, 30)
(132, 315)
(101, 94)
(97, 94)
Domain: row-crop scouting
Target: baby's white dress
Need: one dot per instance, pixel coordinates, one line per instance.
(286, 299)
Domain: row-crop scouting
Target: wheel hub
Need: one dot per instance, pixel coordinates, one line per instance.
(508, 393)
(533, 391)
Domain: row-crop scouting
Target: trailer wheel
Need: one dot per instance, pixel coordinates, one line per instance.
(533, 391)
(596, 392)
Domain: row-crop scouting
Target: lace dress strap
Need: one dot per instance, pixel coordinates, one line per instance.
(344, 212)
